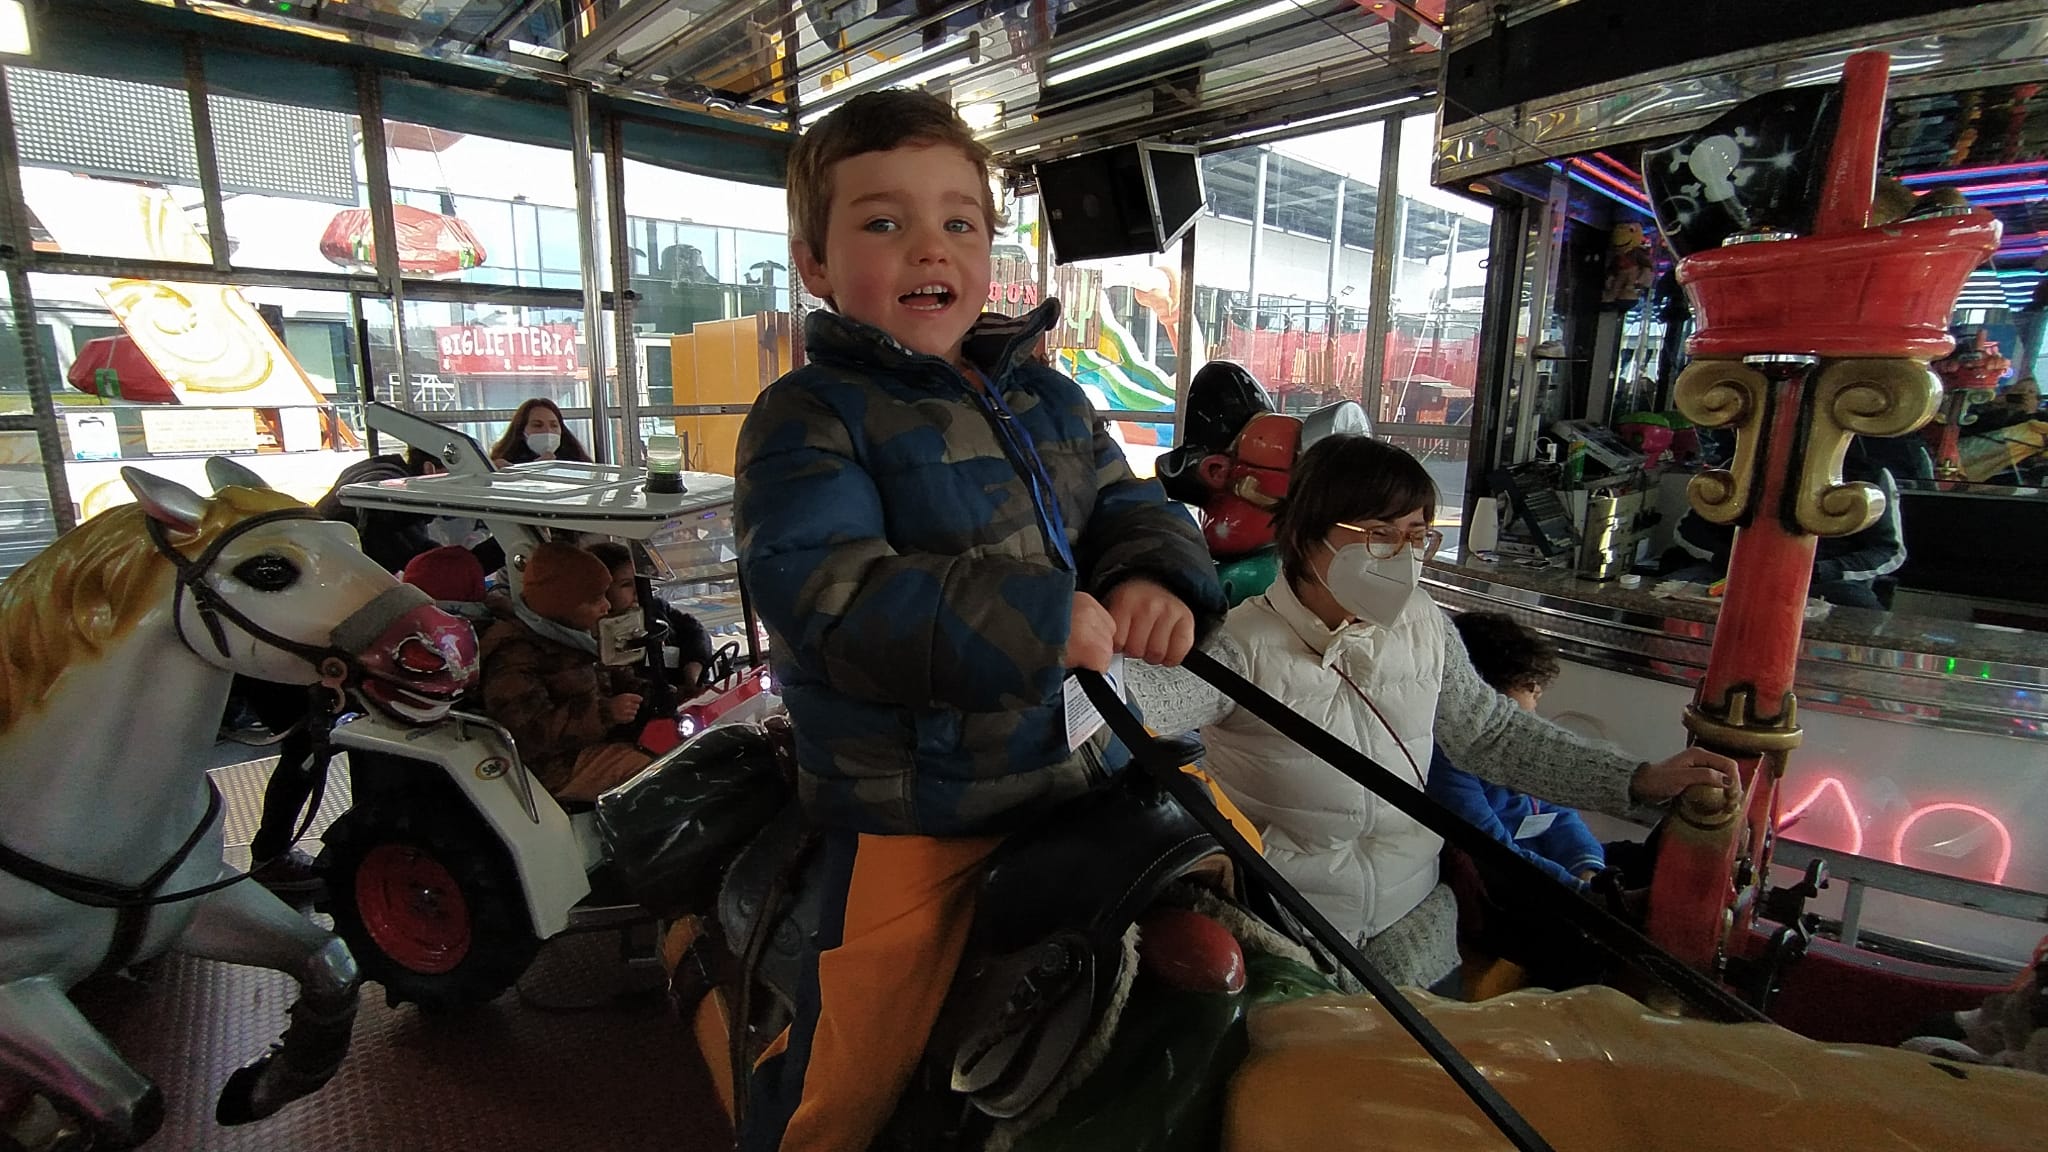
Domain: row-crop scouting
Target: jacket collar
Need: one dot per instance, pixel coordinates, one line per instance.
(995, 344)
(1327, 643)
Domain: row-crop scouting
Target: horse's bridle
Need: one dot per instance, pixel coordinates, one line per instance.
(330, 661)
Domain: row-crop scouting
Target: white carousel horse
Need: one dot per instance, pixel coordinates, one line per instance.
(117, 646)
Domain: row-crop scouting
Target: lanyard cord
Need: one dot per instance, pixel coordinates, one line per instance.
(1024, 457)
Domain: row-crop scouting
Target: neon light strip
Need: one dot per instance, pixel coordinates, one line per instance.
(1602, 190)
(1834, 785)
(1997, 825)
(2003, 187)
(1841, 791)
(1952, 174)
(1634, 195)
(1618, 166)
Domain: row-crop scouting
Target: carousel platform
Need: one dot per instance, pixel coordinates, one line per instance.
(583, 1054)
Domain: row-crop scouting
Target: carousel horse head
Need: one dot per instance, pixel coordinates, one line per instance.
(1237, 452)
(259, 585)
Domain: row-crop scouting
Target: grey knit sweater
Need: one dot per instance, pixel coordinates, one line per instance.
(1482, 731)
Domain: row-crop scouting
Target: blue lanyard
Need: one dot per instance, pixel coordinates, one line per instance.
(1043, 495)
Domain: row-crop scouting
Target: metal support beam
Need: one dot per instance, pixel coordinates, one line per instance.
(120, 267)
(622, 275)
(1336, 247)
(1496, 348)
(587, 246)
(502, 28)
(794, 110)
(1185, 351)
(203, 143)
(15, 245)
(1251, 279)
(1386, 244)
(605, 39)
(383, 225)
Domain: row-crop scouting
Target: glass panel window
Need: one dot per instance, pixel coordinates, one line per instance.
(483, 210)
(291, 185)
(1306, 338)
(108, 167)
(1439, 287)
(1444, 457)
(173, 373)
(479, 357)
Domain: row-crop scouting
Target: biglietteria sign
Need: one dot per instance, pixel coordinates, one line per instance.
(484, 350)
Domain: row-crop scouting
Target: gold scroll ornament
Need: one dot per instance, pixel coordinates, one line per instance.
(1889, 397)
(1725, 394)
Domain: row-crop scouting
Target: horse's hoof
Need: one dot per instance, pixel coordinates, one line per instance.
(238, 1103)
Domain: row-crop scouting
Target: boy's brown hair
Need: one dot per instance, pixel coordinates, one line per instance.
(873, 122)
(1508, 656)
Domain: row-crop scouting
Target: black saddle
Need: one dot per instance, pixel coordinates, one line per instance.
(1046, 950)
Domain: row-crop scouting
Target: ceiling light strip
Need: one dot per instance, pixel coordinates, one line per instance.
(1322, 118)
(1228, 24)
(1136, 30)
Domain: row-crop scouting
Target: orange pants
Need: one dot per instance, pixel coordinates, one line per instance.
(897, 914)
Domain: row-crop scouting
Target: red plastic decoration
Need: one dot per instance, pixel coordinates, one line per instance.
(135, 378)
(429, 244)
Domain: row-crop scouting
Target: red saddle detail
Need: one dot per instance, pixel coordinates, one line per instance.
(1190, 951)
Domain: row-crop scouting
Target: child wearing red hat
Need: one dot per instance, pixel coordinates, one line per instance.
(543, 682)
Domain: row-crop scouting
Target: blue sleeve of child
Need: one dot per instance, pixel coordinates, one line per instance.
(1136, 532)
(1570, 844)
(976, 633)
(1466, 795)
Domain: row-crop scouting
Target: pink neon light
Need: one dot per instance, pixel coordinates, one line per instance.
(1624, 169)
(1986, 170)
(1635, 195)
(1998, 187)
(1841, 791)
(2004, 835)
(1834, 784)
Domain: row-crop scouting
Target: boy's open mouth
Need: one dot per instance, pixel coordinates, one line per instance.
(929, 298)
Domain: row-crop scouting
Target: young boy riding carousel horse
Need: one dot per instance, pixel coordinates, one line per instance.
(937, 530)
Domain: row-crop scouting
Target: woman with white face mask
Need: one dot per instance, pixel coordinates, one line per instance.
(1348, 639)
(537, 433)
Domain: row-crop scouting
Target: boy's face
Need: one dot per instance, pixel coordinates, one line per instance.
(625, 590)
(907, 249)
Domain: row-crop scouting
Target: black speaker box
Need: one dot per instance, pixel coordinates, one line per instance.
(1123, 201)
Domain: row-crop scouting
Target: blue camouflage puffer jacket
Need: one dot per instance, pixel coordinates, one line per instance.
(917, 616)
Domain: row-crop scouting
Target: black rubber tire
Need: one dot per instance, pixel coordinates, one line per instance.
(501, 943)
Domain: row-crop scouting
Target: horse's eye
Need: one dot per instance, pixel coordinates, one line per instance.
(267, 573)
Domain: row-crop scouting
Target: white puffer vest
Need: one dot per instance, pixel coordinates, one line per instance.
(1360, 861)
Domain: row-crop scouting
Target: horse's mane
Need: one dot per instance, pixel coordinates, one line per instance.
(86, 591)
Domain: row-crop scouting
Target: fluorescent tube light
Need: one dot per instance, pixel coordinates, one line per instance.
(1137, 30)
(948, 68)
(1215, 28)
(1320, 118)
(14, 34)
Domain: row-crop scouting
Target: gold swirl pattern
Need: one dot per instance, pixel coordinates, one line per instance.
(1724, 394)
(201, 337)
(1888, 397)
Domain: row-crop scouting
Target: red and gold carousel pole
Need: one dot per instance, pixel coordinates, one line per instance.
(1802, 343)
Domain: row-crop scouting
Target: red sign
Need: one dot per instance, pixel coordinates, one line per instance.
(490, 349)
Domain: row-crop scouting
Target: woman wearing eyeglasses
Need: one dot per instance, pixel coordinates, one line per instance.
(1348, 639)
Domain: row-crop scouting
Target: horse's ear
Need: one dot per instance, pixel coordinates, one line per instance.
(166, 501)
(222, 472)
